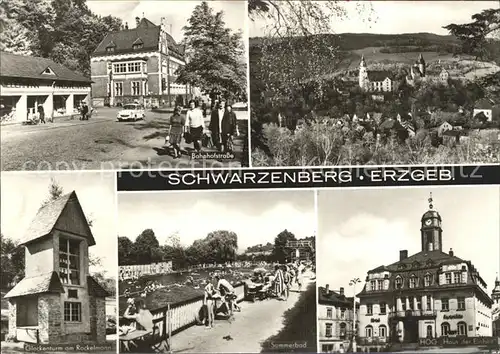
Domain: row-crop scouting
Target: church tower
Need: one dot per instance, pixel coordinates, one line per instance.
(363, 74)
(495, 294)
(421, 64)
(431, 231)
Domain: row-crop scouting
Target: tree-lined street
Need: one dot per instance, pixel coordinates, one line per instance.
(101, 143)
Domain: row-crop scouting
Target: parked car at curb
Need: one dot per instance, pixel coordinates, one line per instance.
(131, 111)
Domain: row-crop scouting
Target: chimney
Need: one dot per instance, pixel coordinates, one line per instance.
(403, 254)
(451, 252)
(341, 291)
(327, 288)
(137, 21)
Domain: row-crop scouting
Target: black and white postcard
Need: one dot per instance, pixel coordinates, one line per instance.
(93, 85)
(374, 82)
(212, 272)
(409, 269)
(59, 263)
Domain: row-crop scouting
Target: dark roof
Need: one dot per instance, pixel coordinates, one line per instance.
(453, 133)
(47, 217)
(436, 256)
(496, 112)
(379, 75)
(20, 66)
(146, 33)
(95, 289)
(431, 214)
(483, 104)
(333, 298)
(44, 283)
(390, 124)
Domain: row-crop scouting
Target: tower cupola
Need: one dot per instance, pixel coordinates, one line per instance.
(362, 63)
(431, 231)
(495, 294)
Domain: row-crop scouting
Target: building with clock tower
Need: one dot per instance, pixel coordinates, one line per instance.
(427, 296)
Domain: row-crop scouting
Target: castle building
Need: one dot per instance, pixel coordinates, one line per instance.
(58, 301)
(374, 80)
(336, 319)
(428, 295)
(137, 65)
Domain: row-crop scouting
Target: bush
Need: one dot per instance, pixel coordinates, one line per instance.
(320, 144)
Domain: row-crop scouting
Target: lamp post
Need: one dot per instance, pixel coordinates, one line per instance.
(353, 283)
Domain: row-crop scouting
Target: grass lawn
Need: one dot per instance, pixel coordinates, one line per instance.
(299, 325)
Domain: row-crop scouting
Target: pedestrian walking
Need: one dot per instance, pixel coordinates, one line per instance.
(215, 126)
(174, 137)
(229, 128)
(279, 282)
(41, 114)
(194, 125)
(84, 111)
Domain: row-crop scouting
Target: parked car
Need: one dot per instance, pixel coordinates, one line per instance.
(131, 111)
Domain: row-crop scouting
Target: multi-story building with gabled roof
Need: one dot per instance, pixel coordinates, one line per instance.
(430, 294)
(138, 65)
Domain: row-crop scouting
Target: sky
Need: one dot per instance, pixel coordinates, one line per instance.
(359, 230)
(257, 217)
(176, 12)
(393, 17)
(23, 194)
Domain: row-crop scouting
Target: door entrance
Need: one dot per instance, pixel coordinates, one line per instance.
(429, 332)
(411, 330)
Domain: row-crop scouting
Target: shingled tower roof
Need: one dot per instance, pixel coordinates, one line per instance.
(48, 219)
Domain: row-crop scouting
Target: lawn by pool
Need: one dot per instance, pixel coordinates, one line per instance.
(177, 286)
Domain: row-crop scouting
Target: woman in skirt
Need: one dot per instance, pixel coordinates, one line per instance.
(177, 123)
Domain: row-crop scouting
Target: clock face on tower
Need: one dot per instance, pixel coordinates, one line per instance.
(428, 222)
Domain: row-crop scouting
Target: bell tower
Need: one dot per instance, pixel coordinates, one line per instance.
(430, 230)
(495, 295)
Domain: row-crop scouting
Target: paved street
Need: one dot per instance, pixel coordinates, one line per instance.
(100, 143)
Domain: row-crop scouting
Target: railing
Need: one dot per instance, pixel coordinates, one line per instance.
(178, 316)
(413, 313)
(372, 340)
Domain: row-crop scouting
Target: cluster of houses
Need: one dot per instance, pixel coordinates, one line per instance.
(449, 129)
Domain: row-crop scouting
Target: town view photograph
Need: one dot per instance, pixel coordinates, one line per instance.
(58, 285)
(382, 82)
(212, 272)
(123, 84)
(416, 271)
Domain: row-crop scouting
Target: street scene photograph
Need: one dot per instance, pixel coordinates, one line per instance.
(374, 82)
(212, 272)
(123, 84)
(409, 270)
(58, 284)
